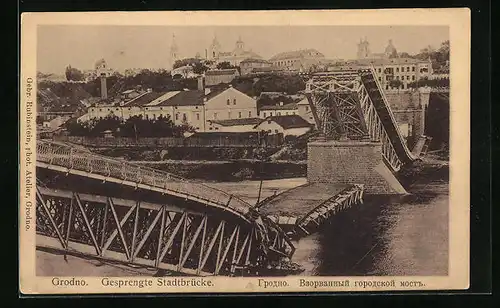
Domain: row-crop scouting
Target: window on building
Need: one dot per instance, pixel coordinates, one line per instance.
(249, 114)
(413, 77)
(379, 70)
(176, 116)
(307, 108)
(239, 114)
(275, 131)
(397, 69)
(379, 78)
(210, 128)
(198, 116)
(413, 68)
(407, 77)
(184, 117)
(408, 69)
(100, 109)
(264, 114)
(234, 101)
(228, 102)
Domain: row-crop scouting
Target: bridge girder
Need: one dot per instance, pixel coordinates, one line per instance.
(343, 108)
(152, 235)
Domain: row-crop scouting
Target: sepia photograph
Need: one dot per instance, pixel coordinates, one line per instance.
(239, 151)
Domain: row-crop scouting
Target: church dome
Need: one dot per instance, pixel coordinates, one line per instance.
(390, 50)
(101, 63)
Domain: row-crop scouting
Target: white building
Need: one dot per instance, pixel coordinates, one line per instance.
(198, 108)
(228, 104)
(278, 110)
(288, 125)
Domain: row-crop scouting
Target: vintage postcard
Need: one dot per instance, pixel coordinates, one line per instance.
(256, 151)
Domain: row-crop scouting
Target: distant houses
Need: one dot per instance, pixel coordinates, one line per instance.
(215, 77)
(217, 108)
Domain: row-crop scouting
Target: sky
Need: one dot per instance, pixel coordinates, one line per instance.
(149, 46)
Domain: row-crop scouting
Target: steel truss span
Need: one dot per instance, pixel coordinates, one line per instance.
(351, 105)
(159, 236)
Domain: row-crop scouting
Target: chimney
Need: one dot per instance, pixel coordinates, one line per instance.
(104, 90)
(201, 83)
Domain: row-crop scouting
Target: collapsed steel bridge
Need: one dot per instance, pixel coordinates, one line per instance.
(351, 104)
(175, 224)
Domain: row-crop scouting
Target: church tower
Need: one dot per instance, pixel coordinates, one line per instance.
(174, 51)
(240, 45)
(363, 49)
(214, 49)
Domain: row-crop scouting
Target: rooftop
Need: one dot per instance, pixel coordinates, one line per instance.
(185, 98)
(297, 54)
(143, 99)
(289, 106)
(255, 60)
(236, 122)
(288, 121)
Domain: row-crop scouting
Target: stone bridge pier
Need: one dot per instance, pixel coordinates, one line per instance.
(351, 162)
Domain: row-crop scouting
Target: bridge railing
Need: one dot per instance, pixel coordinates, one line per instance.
(72, 158)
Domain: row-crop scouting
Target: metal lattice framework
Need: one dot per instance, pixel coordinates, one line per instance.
(352, 105)
(121, 230)
(153, 235)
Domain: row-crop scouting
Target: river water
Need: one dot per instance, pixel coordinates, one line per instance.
(384, 236)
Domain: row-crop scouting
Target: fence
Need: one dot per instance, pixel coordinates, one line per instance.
(205, 140)
(69, 157)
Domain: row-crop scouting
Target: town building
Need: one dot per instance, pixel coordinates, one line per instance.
(393, 72)
(56, 122)
(249, 66)
(278, 110)
(197, 108)
(234, 57)
(288, 125)
(234, 125)
(215, 77)
(227, 104)
(401, 70)
(298, 60)
(304, 110)
(101, 69)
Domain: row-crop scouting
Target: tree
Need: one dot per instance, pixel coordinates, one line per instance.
(73, 74)
(224, 65)
(199, 68)
(405, 55)
(184, 62)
